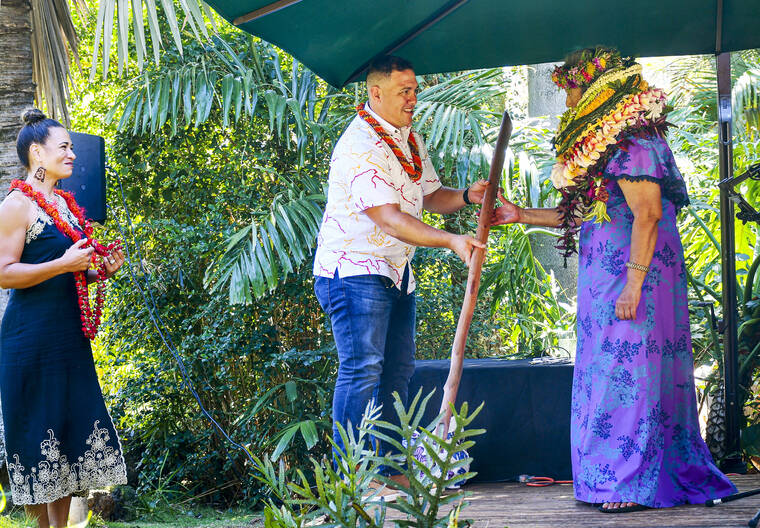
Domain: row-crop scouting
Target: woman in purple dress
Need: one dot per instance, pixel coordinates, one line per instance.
(635, 437)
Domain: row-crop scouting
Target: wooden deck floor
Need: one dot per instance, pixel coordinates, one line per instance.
(515, 505)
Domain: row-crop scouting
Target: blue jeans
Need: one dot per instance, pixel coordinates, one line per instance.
(373, 324)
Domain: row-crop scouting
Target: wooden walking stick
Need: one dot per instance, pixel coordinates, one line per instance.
(473, 277)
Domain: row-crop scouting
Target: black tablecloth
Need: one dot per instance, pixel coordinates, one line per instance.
(526, 414)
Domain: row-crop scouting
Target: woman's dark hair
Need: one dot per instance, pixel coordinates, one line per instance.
(36, 129)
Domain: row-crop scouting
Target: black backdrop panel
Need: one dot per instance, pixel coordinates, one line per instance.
(88, 181)
(526, 414)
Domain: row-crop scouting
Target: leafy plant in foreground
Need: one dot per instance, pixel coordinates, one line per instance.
(428, 484)
(342, 495)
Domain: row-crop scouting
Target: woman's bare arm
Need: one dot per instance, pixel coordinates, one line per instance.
(14, 220)
(510, 213)
(644, 199)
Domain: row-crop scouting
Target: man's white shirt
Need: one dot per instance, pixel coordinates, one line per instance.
(364, 173)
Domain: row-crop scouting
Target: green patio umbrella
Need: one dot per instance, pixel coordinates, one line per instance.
(337, 40)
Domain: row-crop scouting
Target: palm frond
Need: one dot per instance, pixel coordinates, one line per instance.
(263, 253)
(744, 60)
(746, 100)
(185, 92)
(694, 83)
(126, 15)
(52, 33)
(530, 160)
(456, 120)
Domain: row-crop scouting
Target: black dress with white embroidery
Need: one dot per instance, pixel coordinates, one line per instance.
(59, 436)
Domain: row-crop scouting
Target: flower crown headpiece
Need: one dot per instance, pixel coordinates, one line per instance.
(593, 63)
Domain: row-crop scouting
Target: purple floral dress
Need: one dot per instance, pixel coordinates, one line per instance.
(634, 430)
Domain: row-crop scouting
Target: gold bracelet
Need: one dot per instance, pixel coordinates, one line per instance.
(639, 267)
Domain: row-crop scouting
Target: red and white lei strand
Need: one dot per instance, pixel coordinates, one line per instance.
(90, 317)
(633, 112)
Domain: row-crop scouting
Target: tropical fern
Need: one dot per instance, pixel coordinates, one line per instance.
(746, 100)
(457, 121)
(185, 93)
(273, 245)
(124, 15)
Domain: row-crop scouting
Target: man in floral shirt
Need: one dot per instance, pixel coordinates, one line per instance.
(381, 178)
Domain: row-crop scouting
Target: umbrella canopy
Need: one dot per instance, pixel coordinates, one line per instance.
(337, 39)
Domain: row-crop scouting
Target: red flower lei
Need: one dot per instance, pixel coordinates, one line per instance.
(90, 317)
(414, 172)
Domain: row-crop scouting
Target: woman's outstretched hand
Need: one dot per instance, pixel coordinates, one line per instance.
(508, 213)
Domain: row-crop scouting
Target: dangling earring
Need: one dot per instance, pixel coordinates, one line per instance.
(39, 174)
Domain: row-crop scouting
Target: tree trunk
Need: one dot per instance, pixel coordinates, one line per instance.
(16, 88)
(16, 94)
(546, 100)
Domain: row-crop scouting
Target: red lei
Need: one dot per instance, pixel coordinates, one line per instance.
(414, 172)
(90, 317)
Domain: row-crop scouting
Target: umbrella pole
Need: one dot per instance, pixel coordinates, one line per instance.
(473, 278)
(732, 463)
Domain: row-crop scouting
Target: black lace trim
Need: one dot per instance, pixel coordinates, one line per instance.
(672, 189)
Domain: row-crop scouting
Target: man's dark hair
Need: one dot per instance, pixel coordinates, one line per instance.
(384, 66)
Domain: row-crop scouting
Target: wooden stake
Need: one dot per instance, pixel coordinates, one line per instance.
(473, 277)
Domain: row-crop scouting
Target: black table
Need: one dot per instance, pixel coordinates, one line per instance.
(526, 414)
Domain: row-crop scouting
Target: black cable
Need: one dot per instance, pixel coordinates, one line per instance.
(160, 325)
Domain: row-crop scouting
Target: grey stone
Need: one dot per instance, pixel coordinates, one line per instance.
(101, 503)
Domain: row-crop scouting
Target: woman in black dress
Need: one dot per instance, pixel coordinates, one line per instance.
(60, 439)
